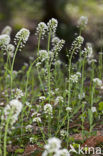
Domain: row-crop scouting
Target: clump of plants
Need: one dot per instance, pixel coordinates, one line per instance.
(40, 102)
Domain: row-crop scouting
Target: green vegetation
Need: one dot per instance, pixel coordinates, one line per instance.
(46, 98)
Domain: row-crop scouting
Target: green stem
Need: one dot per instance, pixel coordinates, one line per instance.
(12, 65)
(28, 75)
(6, 129)
(39, 76)
(48, 65)
(69, 95)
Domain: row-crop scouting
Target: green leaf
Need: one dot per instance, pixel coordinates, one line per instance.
(0, 152)
(20, 150)
(90, 115)
(101, 106)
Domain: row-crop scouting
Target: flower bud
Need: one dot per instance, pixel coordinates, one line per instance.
(22, 36)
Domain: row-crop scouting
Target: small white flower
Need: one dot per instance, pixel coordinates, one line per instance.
(43, 54)
(10, 50)
(28, 104)
(25, 64)
(50, 55)
(41, 29)
(12, 127)
(78, 73)
(58, 46)
(53, 145)
(32, 140)
(37, 119)
(48, 109)
(56, 89)
(15, 72)
(46, 55)
(16, 107)
(76, 45)
(18, 93)
(93, 109)
(34, 113)
(52, 93)
(58, 99)
(42, 98)
(63, 133)
(38, 64)
(52, 25)
(83, 21)
(55, 41)
(1, 103)
(4, 41)
(89, 50)
(7, 30)
(57, 62)
(81, 96)
(22, 36)
(10, 142)
(74, 78)
(91, 61)
(97, 81)
(29, 128)
(68, 109)
(45, 153)
(101, 87)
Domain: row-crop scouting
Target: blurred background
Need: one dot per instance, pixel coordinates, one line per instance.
(28, 13)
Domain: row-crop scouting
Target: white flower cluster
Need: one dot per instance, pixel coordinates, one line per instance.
(57, 62)
(58, 46)
(79, 74)
(68, 109)
(4, 41)
(83, 21)
(91, 61)
(58, 99)
(37, 119)
(50, 55)
(75, 77)
(18, 93)
(97, 81)
(35, 113)
(38, 64)
(46, 55)
(42, 98)
(93, 109)
(63, 133)
(15, 107)
(89, 50)
(52, 26)
(53, 147)
(55, 40)
(48, 109)
(22, 37)
(81, 96)
(41, 29)
(10, 50)
(29, 128)
(89, 53)
(32, 139)
(76, 45)
(7, 30)
(28, 104)
(43, 54)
